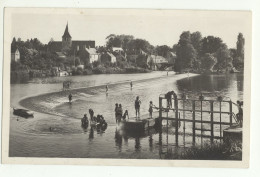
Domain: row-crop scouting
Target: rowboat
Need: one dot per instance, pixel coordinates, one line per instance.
(23, 113)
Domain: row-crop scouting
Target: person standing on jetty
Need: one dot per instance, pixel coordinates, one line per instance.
(131, 85)
(137, 106)
(151, 109)
(239, 115)
(70, 98)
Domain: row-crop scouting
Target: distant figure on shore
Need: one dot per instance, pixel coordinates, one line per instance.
(239, 115)
(84, 120)
(131, 85)
(106, 88)
(91, 113)
(167, 73)
(151, 109)
(116, 108)
(125, 114)
(70, 98)
(137, 107)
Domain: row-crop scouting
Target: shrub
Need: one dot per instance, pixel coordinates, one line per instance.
(87, 72)
(21, 76)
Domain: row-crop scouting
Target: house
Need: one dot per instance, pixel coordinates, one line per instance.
(64, 73)
(117, 49)
(15, 54)
(108, 57)
(157, 59)
(60, 54)
(92, 54)
(171, 57)
(155, 62)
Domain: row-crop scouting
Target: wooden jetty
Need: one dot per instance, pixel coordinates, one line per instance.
(142, 123)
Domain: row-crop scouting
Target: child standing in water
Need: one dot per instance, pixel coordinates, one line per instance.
(151, 109)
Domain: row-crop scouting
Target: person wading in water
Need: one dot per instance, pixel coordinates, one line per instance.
(91, 113)
(151, 109)
(106, 88)
(116, 110)
(70, 98)
(137, 106)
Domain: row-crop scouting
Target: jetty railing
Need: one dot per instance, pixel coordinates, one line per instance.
(182, 106)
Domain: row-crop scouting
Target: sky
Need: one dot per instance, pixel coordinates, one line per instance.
(158, 27)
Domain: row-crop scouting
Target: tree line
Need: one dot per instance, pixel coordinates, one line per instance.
(193, 53)
(197, 53)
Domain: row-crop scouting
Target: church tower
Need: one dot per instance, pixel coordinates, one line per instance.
(66, 40)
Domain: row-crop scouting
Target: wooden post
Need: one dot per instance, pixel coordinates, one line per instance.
(193, 123)
(211, 119)
(201, 132)
(160, 111)
(230, 112)
(176, 119)
(220, 119)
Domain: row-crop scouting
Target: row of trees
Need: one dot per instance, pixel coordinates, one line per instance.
(193, 52)
(209, 53)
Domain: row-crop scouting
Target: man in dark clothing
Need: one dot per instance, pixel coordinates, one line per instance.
(91, 113)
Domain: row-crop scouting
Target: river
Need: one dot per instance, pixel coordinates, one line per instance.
(33, 138)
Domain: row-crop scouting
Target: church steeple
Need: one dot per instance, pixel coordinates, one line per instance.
(66, 39)
(66, 32)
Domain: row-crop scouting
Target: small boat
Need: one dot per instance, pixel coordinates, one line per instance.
(23, 113)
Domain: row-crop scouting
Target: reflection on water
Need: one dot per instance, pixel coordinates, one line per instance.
(32, 137)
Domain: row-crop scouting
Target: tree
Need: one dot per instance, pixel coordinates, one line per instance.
(239, 59)
(240, 45)
(210, 44)
(208, 61)
(141, 61)
(186, 54)
(162, 50)
(224, 60)
(77, 61)
(196, 38)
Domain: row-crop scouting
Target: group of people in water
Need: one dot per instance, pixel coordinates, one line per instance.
(98, 120)
(119, 113)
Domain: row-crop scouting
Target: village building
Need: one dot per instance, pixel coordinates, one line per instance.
(155, 61)
(67, 44)
(171, 57)
(92, 54)
(15, 54)
(108, 57)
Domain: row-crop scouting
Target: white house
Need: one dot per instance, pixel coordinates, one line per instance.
(15, 55)
(93, 55)
(113, 58)
(117, 49)
(157, 59)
